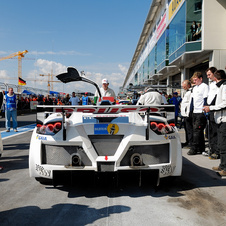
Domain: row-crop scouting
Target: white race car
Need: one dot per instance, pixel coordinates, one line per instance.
(102, 138)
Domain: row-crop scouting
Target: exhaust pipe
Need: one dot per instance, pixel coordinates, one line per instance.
(76, 160)
(136, 160)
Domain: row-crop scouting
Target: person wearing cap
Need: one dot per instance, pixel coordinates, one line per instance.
(105, 90)
(85, 99)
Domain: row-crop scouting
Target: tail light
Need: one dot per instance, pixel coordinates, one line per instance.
(49, 129)
(162, 128)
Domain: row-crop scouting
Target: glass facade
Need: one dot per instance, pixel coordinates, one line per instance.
(140, 74)
(146, 69)
(177, 39)
(177, 30)
(152, 62)
(161, 49)
(193, 20)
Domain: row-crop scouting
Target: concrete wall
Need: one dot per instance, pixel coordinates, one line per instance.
(213, 25)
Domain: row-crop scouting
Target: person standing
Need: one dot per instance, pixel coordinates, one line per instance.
(74, 100)
(66, 99)
(219, 109)
(212, 126)
(10, 110)
(105, 90)
(48, 100)
(199, 99)
(150, 97)
(193, 30)
(85, 99)
(175, 102)
(185, 112)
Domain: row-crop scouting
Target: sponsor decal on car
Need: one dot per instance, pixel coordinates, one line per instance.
(103, 129)
(169, 137)
(100, 129)
(112, 129)
(40, 137)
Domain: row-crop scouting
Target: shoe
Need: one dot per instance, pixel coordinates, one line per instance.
(192, 152)
(7, 130)
(214, 156)
(15, 130)
(216, 168)
(222, 173)
(1, 168)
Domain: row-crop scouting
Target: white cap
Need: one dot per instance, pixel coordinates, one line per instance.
(104, 81)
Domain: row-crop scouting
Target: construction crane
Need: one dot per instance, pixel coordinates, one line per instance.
(50, 80)
(20, 55)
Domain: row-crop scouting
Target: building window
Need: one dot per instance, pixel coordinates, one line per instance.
(152, 62)
(146, 72)
(161, 49)
(194, 20)
(177, 31)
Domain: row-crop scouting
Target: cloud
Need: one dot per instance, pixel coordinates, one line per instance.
(64, 53)
(3, 53)
(115, 73)
(3, 74)
(46, 66)
(123, 69)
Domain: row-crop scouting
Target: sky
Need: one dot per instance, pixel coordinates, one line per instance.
(98, 37)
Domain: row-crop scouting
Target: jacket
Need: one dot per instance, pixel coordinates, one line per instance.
(185, 104)
(220, 105)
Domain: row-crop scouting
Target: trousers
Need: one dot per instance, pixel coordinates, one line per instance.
(212, 134)
(222, 144)
(188, 130)
(199, 123)
(8, 115)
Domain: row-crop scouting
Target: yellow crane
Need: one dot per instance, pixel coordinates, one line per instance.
(20, 55)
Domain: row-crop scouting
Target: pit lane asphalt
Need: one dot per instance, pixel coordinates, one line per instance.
(198, 197)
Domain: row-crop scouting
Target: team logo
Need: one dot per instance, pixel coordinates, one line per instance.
(169, 137)
(41, 138)
(112, 129)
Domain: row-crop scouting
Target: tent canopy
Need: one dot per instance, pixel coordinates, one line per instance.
(53, 92)
(28, 92)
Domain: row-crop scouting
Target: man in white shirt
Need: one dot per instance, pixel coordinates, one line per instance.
(105, 90)
(199, 99)
(212, 127)
(74, 100)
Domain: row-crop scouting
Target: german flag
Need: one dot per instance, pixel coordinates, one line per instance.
(21, 81)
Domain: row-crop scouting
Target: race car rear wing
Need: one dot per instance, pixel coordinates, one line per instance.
(106, 109)
(44, 111)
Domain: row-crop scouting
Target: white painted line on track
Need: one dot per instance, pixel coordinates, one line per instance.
(21, 130)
